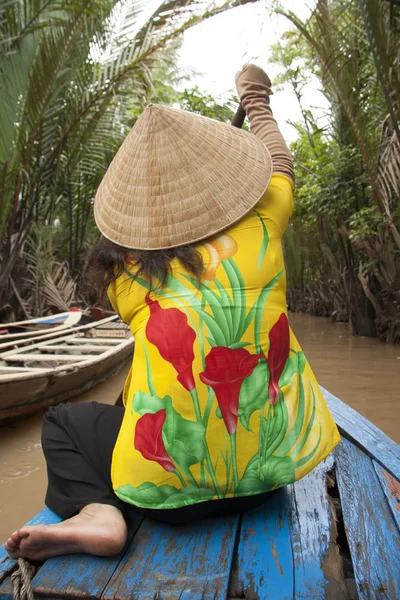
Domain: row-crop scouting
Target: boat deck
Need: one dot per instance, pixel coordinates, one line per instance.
(334, 534)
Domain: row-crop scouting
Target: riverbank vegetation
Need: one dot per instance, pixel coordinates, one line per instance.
(75, 75)
(343, 245)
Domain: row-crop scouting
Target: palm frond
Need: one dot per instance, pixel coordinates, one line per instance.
(68, 71)
(59, 288)
(384, 57)
(338, 44)
(388, 170)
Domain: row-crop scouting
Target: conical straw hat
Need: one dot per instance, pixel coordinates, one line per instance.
(179, 178)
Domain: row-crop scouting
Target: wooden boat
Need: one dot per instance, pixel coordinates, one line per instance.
(56, 368)
(334, 534)
(39, 326)
(45, 332)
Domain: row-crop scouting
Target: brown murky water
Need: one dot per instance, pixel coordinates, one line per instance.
(22, 467)
(364, 373)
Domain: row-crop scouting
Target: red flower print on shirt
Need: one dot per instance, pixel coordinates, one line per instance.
(148, 439)
(279, 346)
(226, 368)
(168, 330)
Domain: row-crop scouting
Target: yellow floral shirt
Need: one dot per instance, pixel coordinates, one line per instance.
(220, 400)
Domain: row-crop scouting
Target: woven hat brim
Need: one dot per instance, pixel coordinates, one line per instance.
(179, 178)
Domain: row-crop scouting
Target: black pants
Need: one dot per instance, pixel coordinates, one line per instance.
(78, 441)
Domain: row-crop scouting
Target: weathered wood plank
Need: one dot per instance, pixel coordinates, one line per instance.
(189, 562)
(7, 565)
(318, 572)
(83, 348)
(372, 533)
(391, 489)
(80, 575)
(46, 517)
(365, 435)
(22, 369)
(46, 357)
(264, 561)
(89, 340)
(54, 335)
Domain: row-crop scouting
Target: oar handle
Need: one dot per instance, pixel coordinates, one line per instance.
(239, 118)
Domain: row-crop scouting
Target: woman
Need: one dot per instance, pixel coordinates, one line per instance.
(220, 406)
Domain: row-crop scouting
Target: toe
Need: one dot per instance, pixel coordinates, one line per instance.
(13, 542)
(11, 545)
(19, 535)
(11, 548)
(23, 532)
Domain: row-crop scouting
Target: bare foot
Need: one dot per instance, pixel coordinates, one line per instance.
(99, 529)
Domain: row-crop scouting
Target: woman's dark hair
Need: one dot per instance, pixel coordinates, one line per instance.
(108, 261)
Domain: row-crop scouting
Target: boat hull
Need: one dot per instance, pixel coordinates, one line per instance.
(23, 330)
(21, 398)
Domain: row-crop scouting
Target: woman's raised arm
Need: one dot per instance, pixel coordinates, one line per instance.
(254, 89)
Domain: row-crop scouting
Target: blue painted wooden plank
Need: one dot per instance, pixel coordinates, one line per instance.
(189, 562)
(6, 590)
(6, 566)
(45, 517)
(80, 575)
(265, 561)
(318, 572)
(372, 533)
(391, 489)
(365, 435)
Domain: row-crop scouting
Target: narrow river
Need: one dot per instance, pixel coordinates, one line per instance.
(363, 372)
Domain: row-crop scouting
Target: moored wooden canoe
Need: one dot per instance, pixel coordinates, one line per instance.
(38, 326)
(335, 534)
(55, 369)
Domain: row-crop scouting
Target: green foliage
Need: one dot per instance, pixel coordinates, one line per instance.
(346, 224)
(74, 76)
(200, 103)
(367, 222)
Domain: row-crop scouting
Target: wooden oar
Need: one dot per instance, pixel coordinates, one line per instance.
(239, 118)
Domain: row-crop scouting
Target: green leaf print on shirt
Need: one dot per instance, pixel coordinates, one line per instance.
(225, 331)
(149, 495)
(275, 463)
(275, 472)
(253, 393)
(184, 440)
(293, 443)
(264, 245)
(143, 403)
(294, 364)
(273, 429)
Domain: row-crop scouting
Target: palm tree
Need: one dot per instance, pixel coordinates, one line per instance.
(68, 68)
(356, 46)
